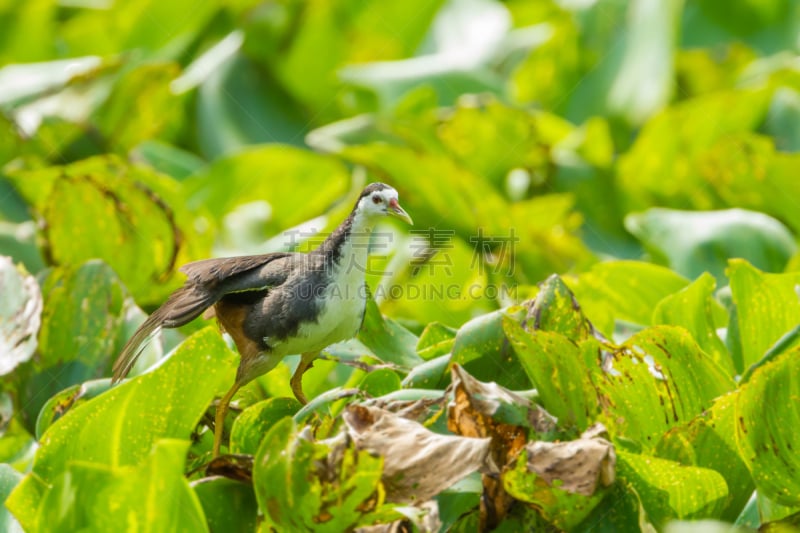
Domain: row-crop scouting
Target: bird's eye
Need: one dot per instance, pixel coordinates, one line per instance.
(376, 199)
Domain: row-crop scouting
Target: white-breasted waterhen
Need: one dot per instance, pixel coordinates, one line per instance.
(278, 304)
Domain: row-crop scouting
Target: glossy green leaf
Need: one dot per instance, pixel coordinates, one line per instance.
(380, 382)
(69, 398)
(765, 437)
(164, 403)
(695, 308)
(431, 374)
(105, 497)
(228, 505)
(388, 340)
(482, 348)
(254, 422)
(767, 306)
(20, 315)
(670, 491)
(673, 238)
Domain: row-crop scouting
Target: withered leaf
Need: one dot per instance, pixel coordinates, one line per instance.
(489, 410)
(579, 465)
(417, 463)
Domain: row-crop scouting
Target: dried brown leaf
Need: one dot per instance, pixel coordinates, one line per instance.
(578, 465)
(417, 463)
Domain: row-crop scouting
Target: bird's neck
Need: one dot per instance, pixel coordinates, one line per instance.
(349, 243)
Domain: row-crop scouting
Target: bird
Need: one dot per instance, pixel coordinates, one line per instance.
(277, 304)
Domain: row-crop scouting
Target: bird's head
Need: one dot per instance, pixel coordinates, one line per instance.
(378, 199)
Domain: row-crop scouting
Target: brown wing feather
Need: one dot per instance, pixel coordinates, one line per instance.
(209, 280)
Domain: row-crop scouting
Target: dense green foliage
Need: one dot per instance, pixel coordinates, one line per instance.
(592, 325)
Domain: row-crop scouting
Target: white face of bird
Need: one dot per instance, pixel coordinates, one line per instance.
(383, 202)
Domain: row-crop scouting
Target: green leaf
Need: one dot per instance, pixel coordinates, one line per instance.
(131, 498)
(482, 349)
(670, 491)
(69, 398)
(227, 504)
(164, 403)
(555, 309)
(709, 441)
(659, 379)
(556, 367)
(563, 502)
(766, 437)
(388, 340)
(9, 478)
(82, 331)
(130, 217)
(380, 382)
(671, 236)
(695, 308)
(254, 422)
(623, 290)
(431, 374)
(20, 315)
(767, 306)
(300, 487)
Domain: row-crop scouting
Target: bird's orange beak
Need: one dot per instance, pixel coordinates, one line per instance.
(396, 211)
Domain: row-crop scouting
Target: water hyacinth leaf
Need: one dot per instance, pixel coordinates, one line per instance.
(130, 217)
(691, 243)
(661, 167)
(695, 308)
(20, 315)
(555, 309)
(82, 331)
(69, 398)
(709, 441)
(623, 290)
(254, 422)
(658, 379)
(565, 481)
(766, 440)
(417, 463)
(557, 367)
(165, 403)
(767, 306)
(302, 485)
(482, 348)
(429, 375)
(670, 491)
(380, 382)
(388, 340)
(228, 505)
(105, 497)
(9, 478)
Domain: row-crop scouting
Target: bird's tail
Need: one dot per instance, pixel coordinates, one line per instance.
(183, 306)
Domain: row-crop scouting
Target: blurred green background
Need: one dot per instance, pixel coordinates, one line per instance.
(150, 133)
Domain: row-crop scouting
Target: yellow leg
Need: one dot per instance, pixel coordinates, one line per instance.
(219, 419)
(306, 362)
